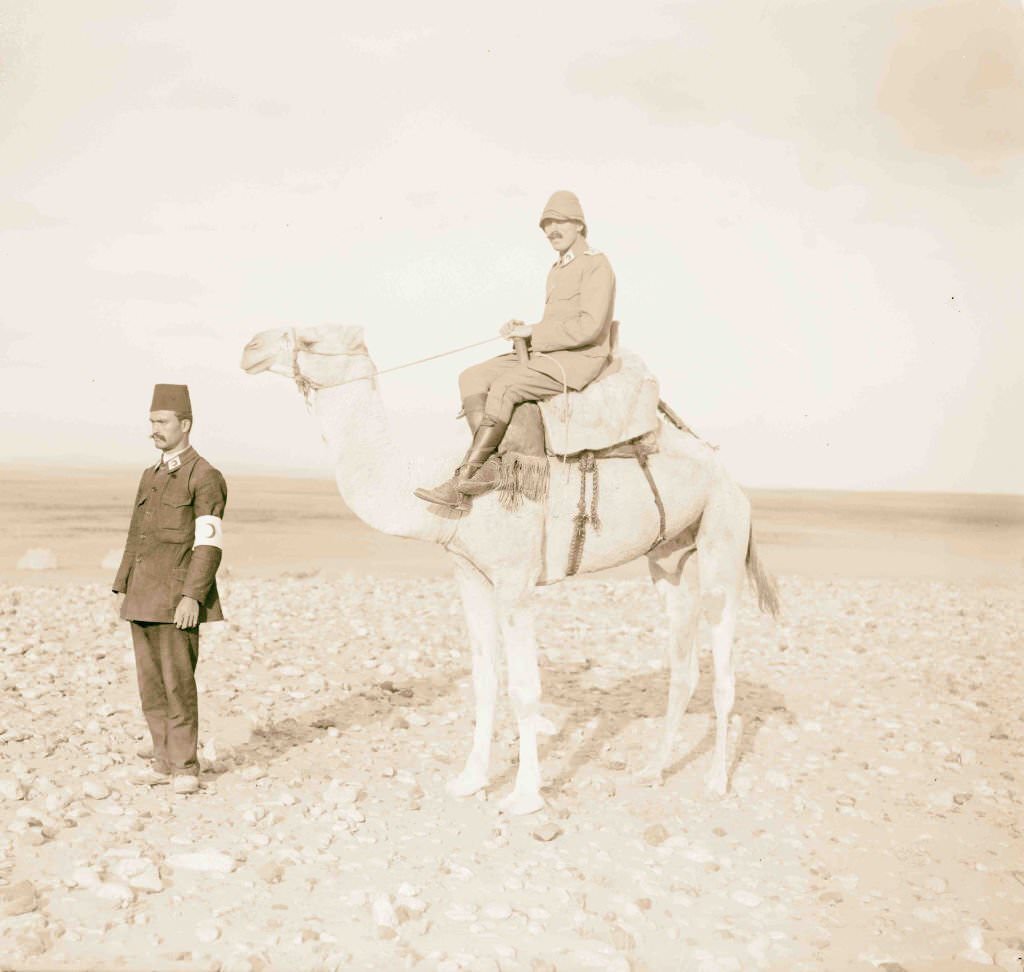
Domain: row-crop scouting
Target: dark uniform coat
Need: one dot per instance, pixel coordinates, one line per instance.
(160, 564)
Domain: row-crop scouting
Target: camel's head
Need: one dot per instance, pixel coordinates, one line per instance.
(317, 357)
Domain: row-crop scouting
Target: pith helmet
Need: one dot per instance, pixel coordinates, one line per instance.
(564, 205)
(171, 398)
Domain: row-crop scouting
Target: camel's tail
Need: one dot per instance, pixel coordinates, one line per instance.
(762, 580)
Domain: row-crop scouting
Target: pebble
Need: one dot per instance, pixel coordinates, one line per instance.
(461, 912)
(38, 558)
(547, 832)
(384, 914)
(976, 955)
(270, 871)
(139, 873)
(209, 861)
(746, 898)
(779, 780)
(96, 790)
(207, 932)
(656, 835)
(1010, 959)
(113, 891)
(11, 788)
(17, 899)
(497, 911)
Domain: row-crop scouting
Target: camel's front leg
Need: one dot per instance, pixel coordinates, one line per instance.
(480, 608)
(515, 619)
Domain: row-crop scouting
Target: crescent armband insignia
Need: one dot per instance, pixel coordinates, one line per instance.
(209, 532)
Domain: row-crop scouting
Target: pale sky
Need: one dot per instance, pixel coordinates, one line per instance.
(814, 210)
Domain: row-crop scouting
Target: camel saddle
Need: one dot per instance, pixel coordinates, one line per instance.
(618, 407)
(615, 416)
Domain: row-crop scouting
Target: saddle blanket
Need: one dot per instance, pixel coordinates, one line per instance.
(620, 405)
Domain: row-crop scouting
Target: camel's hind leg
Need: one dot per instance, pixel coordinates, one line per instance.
(721, 555)
(678, 590)
(480, 607)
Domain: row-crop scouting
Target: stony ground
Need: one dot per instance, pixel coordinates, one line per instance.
(874, 819)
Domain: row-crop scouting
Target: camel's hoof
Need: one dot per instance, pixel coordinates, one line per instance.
(520, 804)
(652, 775)
(716, 783)
(466, 783)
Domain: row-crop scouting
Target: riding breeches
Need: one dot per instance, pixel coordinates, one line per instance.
(506, 383)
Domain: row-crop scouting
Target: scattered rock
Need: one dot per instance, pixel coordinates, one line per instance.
(209, 861)
(207, 932)
(38, 558)
(384, 914)
(96, 790)
(547, 832)
(17, 899)
(656, 835)
(1010, 959)
(11, 788)
(976, 955)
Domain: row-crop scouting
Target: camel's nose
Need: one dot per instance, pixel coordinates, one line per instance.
(253, 344)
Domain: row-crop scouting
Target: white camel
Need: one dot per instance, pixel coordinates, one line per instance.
(500, 556)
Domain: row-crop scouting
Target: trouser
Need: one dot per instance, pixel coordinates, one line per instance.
(506, 383)
(165, 662)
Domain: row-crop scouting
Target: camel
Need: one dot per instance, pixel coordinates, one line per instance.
(500, 556)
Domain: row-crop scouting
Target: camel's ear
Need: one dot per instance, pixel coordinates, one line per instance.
(332, 339)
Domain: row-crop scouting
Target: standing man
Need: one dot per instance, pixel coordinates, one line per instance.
(167, 588)
(569, 347)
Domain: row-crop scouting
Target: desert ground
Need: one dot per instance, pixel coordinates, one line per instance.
(874, 819)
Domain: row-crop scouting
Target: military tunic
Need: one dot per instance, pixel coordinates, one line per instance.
(160, 564)
(570, 346)
(164, 561)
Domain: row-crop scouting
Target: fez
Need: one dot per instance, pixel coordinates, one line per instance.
(171, 398)
(564, 205)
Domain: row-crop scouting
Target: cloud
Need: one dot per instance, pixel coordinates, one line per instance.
(955, 80)
(828, 76)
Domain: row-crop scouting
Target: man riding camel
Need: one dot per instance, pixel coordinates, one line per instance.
(569, 347)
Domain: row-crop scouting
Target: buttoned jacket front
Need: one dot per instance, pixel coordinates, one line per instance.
(159, 565)
(572, 342)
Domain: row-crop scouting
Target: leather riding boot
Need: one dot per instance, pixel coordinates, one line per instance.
(473, 411)
(446, 494)
(477, 474)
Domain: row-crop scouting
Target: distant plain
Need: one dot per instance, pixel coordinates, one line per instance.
(281, 524)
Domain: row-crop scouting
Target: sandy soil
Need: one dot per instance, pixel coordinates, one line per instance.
(874, 819)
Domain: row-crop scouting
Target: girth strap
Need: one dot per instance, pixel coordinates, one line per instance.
(641, 457)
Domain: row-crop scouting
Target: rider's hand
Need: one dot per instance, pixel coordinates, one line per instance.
(186, 614)
(514, 329)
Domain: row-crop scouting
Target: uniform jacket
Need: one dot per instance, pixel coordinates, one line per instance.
(159, 565)
(575, 331)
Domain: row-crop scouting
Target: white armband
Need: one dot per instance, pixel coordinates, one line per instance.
(209, 532)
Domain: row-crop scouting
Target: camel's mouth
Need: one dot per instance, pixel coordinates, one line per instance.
(256, 358)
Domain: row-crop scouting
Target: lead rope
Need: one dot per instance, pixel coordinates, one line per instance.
(306, 385)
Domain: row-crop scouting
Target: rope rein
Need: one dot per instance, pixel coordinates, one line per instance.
(307, 385)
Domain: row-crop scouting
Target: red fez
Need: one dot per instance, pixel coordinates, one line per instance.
(171, 398)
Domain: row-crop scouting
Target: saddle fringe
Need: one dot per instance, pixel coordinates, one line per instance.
(521, 477)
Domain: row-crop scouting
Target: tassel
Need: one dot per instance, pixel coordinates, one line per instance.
(522, 477)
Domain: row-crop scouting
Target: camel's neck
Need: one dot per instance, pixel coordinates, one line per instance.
(374, 476)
